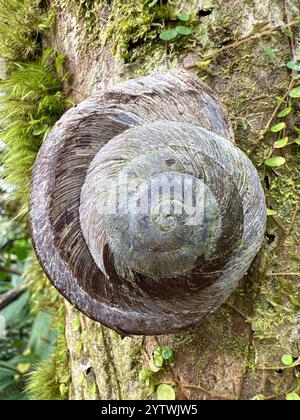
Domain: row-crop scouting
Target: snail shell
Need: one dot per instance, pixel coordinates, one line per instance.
(192, 220)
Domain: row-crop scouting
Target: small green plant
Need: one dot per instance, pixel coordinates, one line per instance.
(282, 125)
(161, 358)
(275, 161)
(287, 360)
(182, 29)
(142, 33)
(165, 392)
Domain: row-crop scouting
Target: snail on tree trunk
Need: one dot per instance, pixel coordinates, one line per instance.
(144, 214)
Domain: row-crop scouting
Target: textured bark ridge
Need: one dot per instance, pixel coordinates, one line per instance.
(234, 353)
(155, 270)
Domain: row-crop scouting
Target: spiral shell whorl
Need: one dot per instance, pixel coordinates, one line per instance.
(146, 272)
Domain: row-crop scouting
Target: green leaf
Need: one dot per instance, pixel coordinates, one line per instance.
(23, 367)
(293, 65)
(260, 397)
(151, 389)
(43, 337)
(16, 310)
(158, 351)
(270, 53)
(275, 162)
(271, 212)
(158, 361)
(278, 127)
(144, 374)
(297, 130)
(287, 360)
(59, 61)
(293, 396)
(64, 379)
(3, 276)
(26, 352)
(39, 131)
(21, 251)
(281, 143)
(63, 389)
(183, 30)
(46, 54)
(297, 141)
(184, 16)
(167, 353)
(285, 112)
(153, 3)
(295, 93)
(168, 35)
(152, 367)
(165, 393)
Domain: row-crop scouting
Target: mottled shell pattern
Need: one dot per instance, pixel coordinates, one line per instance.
(144, 214)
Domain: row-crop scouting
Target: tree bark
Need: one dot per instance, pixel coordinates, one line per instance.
(228, 355)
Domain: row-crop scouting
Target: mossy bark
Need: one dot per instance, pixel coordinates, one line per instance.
(226, 355)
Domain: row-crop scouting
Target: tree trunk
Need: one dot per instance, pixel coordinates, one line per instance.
(236, 352)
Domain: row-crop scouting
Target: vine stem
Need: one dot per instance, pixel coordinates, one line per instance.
(242, 315)
(166, 43)
(241, 42)
(200, 388)
(273, 397)
(279, 224)
(267, 127)
(287, 232)
(294, 365)
(289, 24)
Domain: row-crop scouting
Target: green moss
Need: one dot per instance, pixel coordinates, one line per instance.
(32, 102)
(278, 304)
(21, 25)
(133, 31)
(50, 379)
(91, 12)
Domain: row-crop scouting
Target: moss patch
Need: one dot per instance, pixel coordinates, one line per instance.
(50, 379)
